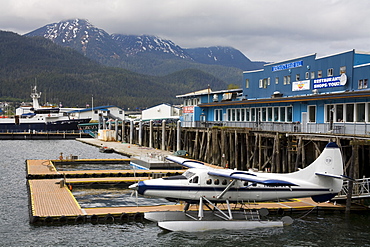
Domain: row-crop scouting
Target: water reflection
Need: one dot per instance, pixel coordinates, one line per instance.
(113, 197)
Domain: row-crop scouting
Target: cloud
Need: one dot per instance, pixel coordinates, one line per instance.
(269, 30)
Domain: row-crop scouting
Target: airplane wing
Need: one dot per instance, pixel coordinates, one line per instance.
(249, 177)
(186, 162)
(232, 174)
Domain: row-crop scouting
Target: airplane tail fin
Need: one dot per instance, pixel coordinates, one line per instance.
(326, 171)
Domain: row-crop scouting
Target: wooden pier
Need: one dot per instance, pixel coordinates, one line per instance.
(245, 148)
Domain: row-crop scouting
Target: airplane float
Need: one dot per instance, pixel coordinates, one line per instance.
(204, 185)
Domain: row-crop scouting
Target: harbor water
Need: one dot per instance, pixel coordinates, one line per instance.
(313, 229)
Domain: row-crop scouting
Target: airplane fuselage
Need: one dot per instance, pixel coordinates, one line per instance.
(196, 183)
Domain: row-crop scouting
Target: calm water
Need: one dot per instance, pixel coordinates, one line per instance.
(332, 229)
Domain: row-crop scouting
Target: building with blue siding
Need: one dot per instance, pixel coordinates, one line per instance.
(305, 94)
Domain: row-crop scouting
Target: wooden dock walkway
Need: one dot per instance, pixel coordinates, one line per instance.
(38, 169)
(126, 149)
(48, 199)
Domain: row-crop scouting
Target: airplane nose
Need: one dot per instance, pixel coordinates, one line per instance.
(134, 186)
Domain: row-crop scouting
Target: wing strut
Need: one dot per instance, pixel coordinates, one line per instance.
(226, 189)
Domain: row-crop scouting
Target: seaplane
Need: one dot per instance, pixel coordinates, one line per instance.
(208, 187)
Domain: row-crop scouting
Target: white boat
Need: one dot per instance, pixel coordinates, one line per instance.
(41, 118)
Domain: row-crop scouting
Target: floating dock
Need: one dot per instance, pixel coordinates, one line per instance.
(51, 200)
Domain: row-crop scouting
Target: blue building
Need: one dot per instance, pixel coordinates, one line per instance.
(305, 94)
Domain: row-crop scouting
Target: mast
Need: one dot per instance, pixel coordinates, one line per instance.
(35, 97)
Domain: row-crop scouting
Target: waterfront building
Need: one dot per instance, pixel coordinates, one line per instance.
(195, 116)
(107, 112)
(161, 112)
(303, 94)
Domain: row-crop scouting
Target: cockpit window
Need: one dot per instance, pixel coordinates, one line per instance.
(195, 179)
(188, 174)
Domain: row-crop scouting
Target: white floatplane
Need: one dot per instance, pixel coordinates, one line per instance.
(207, 186)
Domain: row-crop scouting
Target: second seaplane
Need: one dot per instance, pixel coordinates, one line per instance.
(209, 186)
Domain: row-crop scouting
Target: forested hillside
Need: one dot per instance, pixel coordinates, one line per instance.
(66, 76)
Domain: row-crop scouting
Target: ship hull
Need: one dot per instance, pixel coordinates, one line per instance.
(25, 126)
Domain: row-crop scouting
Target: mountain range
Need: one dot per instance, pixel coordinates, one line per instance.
(71, 61)
(145, 54)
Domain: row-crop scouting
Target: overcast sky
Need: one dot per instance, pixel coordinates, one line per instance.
(264, 30)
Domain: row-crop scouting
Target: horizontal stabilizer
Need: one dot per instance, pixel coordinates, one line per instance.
(334, 176)
(245, 176)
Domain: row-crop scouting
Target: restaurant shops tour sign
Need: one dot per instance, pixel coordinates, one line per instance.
(328, 82)
(336, 81)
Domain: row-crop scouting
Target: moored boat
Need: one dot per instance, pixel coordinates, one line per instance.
(41, 118)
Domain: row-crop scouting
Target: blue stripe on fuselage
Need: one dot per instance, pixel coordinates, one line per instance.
(143, 188)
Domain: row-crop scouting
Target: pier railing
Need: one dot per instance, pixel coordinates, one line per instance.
(360, 128)
(361, 189)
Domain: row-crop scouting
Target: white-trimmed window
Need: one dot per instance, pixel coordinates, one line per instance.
(312, 113)
(360, 112)
(247, 115)
(242, 114)
(362, 84)
(269, 114)
(342, 69)
(319, 74)
(264, 83)
(289, 114)
(350, 111)
(263, 114)
(330, 113)
(253, 114)
(353, 112)
(330, 72)
(218, 115)
(287, 80)
(282, 114)
(276, 114)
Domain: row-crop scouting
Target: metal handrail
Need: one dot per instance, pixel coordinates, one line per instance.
(361, 188)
